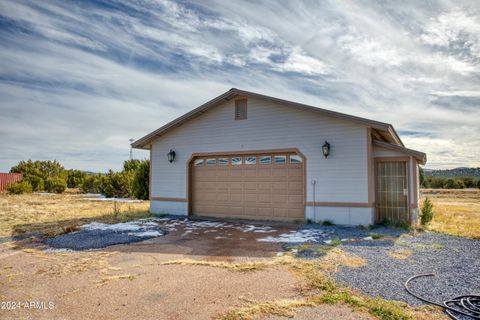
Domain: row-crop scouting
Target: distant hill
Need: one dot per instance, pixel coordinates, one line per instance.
(461, 172)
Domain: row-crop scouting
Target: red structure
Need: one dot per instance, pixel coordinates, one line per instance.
(8, 178)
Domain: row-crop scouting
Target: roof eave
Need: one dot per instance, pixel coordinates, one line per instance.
(419, 156)
(144, 142)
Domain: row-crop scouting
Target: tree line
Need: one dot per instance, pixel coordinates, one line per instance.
(438, 182)
(51, 176)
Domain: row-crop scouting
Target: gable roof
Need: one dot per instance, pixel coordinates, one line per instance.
(419, 156)
(386, 130)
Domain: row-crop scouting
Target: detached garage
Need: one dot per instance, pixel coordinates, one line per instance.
(248, 156)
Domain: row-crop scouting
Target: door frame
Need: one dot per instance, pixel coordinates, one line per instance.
(241, 153)
(405, 160)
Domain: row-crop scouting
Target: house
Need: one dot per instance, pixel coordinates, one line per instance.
(251, 156)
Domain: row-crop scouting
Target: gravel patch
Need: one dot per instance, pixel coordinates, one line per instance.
(99, 235)
(393, 256)
(329, 235)
(454, 260)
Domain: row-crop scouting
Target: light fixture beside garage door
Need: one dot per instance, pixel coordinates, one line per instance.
(326, 149)
(171, 156)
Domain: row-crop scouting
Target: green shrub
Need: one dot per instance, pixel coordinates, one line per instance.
(132, 165)
(426, 212)
(478, 184)
(92, 184)
(454, 184)
(37, 182)
(20, 187)
(436, 182)
(450, 183)
(75, 178)
(469, 182)
(43, 169)
(38, 172)
(55, 184)
(117, 184)
(141, 180)
(422, 176)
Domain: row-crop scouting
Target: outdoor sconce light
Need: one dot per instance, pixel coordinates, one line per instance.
(171, 156)
(326, 149)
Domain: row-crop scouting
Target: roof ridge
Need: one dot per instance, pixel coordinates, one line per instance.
(144, 141)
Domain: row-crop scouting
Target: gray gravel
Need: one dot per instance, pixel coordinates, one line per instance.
(454, 260)
(345, 234)
(95, 239)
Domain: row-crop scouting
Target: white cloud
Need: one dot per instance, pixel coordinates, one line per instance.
(455, 27)
(299, 61)
(97, 76)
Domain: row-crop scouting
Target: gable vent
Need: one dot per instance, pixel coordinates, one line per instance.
(241, 109)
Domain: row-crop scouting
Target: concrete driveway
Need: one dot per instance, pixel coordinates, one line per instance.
(135, 281)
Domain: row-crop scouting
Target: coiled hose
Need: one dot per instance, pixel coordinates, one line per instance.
(467, 305)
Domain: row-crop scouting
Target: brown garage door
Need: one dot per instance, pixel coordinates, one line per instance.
(257, 186)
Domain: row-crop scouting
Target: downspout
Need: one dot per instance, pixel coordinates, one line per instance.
(314, 182)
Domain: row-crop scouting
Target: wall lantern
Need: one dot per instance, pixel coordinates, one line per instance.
(326, 149)
(171, 156)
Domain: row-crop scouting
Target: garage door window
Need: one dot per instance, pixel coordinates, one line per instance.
(236, 161)
(198, 162)
(211, 162)
(294, 158)
(280, 159)
(250, 160)
(265, 160)
(267, 185)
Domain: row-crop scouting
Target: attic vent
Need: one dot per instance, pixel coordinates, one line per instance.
(241, 109)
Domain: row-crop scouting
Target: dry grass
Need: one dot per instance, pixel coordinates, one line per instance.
(57, 214)
(320, 288)
(106, 280)
(283, 308)
(65, 263)
(400, 254)
(456, 212)
(336, 258)
(241, 266)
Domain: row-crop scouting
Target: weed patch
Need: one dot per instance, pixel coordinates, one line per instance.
(283, 308)
(400, 254)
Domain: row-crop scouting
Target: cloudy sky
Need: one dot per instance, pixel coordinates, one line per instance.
(79, 79)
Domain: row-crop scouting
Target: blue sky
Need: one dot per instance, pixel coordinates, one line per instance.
(79, 79)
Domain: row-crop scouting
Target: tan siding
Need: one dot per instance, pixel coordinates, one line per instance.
(383, 152)
(340, 178)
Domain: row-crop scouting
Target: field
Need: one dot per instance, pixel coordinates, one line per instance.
(204, 273)
(56, 214)
(456, 212)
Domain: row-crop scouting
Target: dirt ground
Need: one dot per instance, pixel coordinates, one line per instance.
(133, 281)
(183, 275)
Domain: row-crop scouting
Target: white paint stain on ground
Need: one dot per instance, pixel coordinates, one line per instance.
(138, 228)
(171, 224)
(149, 227)
(297, 236)
(102, 198)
